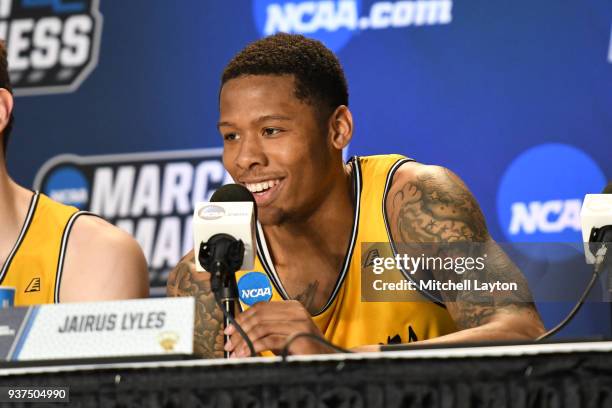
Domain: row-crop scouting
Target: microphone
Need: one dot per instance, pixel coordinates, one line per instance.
(220, 225)
(224, 237)
(596, 218)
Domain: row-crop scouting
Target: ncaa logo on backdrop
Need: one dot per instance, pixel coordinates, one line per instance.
(334, 22)
(254, 287)
(68, 185)
(540, 197)
(52, 45)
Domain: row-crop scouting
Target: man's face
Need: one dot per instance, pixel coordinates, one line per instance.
(274, 144)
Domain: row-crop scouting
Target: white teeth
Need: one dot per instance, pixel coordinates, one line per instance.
(259, 187)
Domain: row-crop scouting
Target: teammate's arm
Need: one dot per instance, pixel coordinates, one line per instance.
(430, 204)
(102, 262)
(184, 280)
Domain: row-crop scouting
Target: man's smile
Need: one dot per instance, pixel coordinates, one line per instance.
(264, 190)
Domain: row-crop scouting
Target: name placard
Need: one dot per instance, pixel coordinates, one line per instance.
(140, 327)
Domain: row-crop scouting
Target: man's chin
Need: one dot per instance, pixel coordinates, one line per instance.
(270, 216)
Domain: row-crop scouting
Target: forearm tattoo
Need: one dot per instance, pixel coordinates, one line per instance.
(185, 281)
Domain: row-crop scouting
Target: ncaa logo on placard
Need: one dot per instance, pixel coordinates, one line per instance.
(68, 185)
(334, 22)
(540, 197)
(254, 287)
(52, 45)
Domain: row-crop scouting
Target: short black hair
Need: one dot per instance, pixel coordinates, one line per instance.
(319, 77)
(5, 83)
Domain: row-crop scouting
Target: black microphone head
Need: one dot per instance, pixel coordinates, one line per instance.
(607, 189)
(232, 193)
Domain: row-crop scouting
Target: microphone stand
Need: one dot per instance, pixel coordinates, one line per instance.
(228, 294)
(222, 256)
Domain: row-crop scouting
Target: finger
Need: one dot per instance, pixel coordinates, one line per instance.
(284, 327)
(230, 344)
(272, 311)
(235, 340)
(272, 342)
(258, 330)
(263, 329)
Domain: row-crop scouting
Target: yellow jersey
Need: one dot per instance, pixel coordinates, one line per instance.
(34, 265)
(355, 313)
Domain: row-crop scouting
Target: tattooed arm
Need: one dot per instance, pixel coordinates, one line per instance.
(430, 205)
(185, 281)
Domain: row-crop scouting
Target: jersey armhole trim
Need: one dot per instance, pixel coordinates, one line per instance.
(24, 230)
(388, 183)
(62, 252)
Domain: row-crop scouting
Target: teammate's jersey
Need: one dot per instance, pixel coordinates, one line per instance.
(350, 318)
(34, 265)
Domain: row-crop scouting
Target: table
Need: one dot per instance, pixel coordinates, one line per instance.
(576, 374)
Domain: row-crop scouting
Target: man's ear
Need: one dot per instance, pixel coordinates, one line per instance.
(6, 107)
(341, 127)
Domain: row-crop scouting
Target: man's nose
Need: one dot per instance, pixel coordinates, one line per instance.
(251, 152)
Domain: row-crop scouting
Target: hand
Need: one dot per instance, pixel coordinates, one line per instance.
(270, 324)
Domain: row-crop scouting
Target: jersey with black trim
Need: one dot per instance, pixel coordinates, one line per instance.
(357, 314)
(34, 265)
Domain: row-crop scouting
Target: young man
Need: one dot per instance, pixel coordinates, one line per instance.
(284, 119)
(54, 253)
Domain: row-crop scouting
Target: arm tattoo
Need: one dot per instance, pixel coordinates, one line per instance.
(429, 210)
(438, 209)
(185, 281)
(306, 298)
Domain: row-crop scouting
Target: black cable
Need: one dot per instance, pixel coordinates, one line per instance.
(237, 326)
(294, 337)
(576, 308)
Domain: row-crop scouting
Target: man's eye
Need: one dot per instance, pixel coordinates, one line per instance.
(230, 136)
(271, 131)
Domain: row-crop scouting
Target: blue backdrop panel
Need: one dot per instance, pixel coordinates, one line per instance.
(515, 97)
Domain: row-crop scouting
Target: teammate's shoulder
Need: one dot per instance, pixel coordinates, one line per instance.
(103, 262)
(89, 229)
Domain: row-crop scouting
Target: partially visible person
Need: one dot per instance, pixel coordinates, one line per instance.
(54, 253)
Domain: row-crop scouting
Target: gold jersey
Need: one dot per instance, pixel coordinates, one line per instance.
(356, 315)
(34, 265)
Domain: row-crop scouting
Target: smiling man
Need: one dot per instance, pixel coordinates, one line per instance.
(284, 119)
